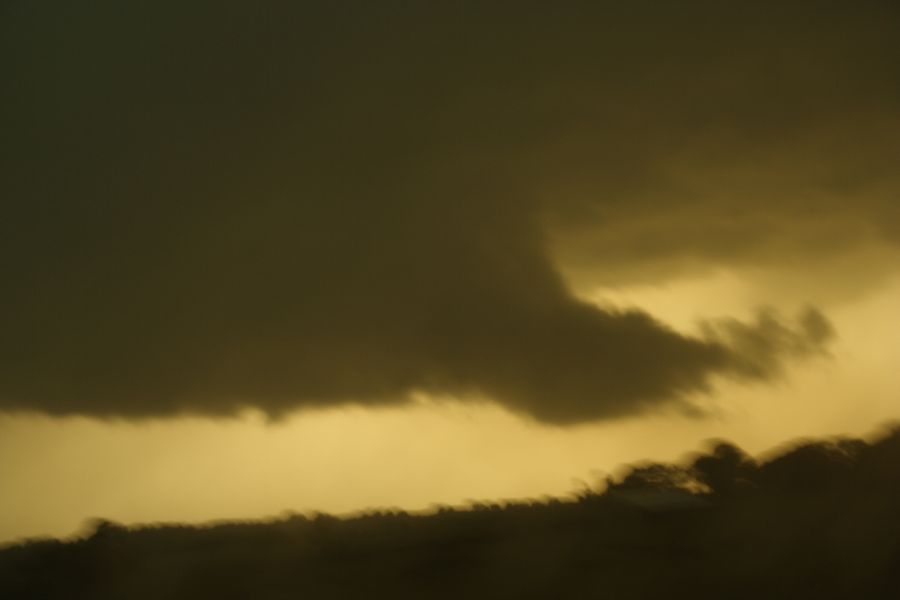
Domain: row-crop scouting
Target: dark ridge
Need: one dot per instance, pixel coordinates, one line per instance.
(820, 520)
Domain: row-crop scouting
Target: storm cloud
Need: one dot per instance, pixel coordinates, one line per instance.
(212, 206)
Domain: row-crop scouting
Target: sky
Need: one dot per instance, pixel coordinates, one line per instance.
(338, 255)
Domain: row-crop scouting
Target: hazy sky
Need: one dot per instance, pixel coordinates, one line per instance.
(347, 254)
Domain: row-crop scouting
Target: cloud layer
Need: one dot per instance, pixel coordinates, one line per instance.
(291, 206)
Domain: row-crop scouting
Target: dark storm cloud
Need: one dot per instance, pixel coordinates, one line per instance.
(760, 347)
(212, 205)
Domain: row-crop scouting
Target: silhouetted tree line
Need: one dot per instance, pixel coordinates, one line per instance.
(820, 520)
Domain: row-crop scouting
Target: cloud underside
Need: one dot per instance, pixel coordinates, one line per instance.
(290, 207)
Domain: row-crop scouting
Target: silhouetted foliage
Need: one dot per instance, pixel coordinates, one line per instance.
(655, 476)
(821, 520)
(726, 471)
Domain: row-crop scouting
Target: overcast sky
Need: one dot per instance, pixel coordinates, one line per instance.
(333, 255)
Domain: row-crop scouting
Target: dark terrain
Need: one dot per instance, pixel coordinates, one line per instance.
(821, 520)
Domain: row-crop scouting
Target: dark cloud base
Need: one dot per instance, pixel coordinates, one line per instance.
(820, 520)
(301, 205)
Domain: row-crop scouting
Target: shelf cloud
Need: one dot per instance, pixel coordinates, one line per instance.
(304, 205)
